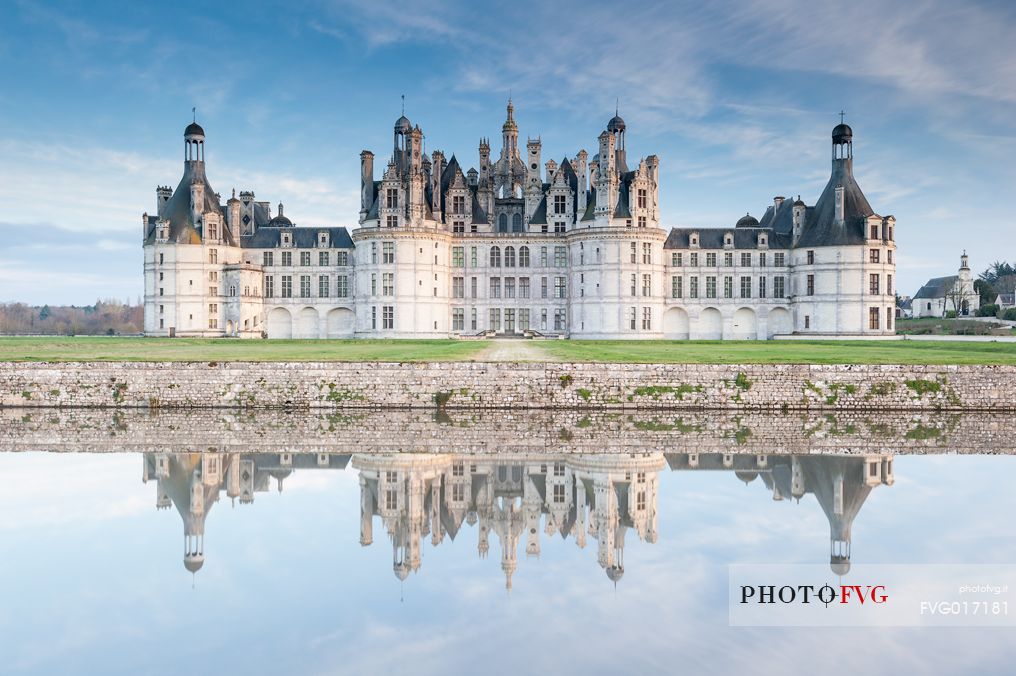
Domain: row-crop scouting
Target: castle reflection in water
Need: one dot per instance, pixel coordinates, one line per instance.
(602, 497)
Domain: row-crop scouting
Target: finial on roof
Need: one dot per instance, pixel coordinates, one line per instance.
(841, 116)
(617, 106)
(194, 114)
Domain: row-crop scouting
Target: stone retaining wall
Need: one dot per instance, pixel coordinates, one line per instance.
(474, 385)
(502, 432)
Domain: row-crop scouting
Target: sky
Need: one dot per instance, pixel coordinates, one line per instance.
(736, 98)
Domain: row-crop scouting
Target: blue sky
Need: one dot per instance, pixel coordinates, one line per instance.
(737, 100)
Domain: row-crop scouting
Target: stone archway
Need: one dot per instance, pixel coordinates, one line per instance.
(307, 323)
(676, 325)
(780, 322)
(710, 324)
(341, 323)
(280, 323)
(745, 324)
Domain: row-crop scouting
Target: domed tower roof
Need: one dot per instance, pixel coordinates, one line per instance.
(615, 125)
(403, 125)
(193, 129)
(842, 133)
(839, 565)
(747, 221)
(615, 573)
(280, 221)
(193, 562)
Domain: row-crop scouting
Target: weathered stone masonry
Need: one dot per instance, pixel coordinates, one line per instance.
(475, 385)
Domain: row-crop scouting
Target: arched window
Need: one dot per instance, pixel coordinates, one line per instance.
(502, 223)
(517, 223)
(495, 256)
(524, 257)
(509, 257)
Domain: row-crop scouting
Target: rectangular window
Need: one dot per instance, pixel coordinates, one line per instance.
(647, 319)
(341, 258)
(560, 204)
(458, 257)
(642, 221)
(373, 283)
(509, 287)
(458, 227)
(213, 291)
(543, 287)
(560, 257)
(762, 260)
(287, 259)
(693, 287)
(287, 286)
(874, 232)
(634, 284)
(632, 318)
(634, 252)
(269, 287)
(710, 287)
(711, 260)
(495, 319)
(543, 319)
(472, 287)
(213, 315)
(458, 287)
(213, 255)
(642, 198)
(495, 287)
(543, 256)
(304, 258)
(523, 287)
(779, 288)
(509, 320)
(810, 257)
(459, 204)
(677, 287)
(392, 198)
(458, 319)
(745, 259)
(811, 286)
(304, 286)
(373, 317)
(728, 259)
(523, 319)
(392, 221)
(322, 258)
(693, 260)
(761, 287)
(779, 260)
(677, 259)
(373, 252)
(888, 286)
(874, 255)
(342, 286)
(472, 256)
(388, 317)
(647, 253)
(728, 287)
(889, 256)
(807, 321)
(388, 252)
(873, 318)
(745, 287)
(560, 320)
(873, 284)
(559, 287)
(388, 284)
(472, 319)
(647, 285)
(888, 319)
(324, 286)
(268, 258)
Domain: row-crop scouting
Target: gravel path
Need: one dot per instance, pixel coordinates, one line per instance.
(513, 350)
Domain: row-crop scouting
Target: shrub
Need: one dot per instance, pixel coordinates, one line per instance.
(951, 314)
(989, 310)
(1010, 314)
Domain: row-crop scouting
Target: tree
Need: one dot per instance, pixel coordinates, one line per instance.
(957, 297)
(985, 291)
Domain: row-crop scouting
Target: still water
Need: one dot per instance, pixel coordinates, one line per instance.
(430, 563)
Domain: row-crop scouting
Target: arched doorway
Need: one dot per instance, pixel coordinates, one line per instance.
(710, 324)
(745, 326)
(307, 323)
(280, 323)
(675, 324)
(341, 322)
(780, 322)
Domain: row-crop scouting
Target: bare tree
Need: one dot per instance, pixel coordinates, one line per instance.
(957, 296)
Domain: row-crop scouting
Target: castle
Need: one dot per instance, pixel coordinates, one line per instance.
(520, 246)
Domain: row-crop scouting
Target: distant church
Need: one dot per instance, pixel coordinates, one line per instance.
(518, 246)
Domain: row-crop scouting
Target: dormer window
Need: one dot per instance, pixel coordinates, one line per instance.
(287, 239)
(693, 240)
(763, 240)
(728, 240)
(322, 240)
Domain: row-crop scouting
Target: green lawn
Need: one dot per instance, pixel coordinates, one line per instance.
(783, 352)
(687, 352)
(199, 349)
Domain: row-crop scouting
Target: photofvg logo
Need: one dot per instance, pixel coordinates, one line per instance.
(874, 595)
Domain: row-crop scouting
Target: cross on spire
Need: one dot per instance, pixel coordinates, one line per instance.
(841, 116)
(194, 114)
(617, 106)
(403, 104)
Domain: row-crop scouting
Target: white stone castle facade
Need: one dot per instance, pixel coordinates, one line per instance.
(520, 246)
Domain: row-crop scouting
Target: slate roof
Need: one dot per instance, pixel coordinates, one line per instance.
(820, 227)
(269, 237)
(182, 228)
(712, 238)
(937, 287)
